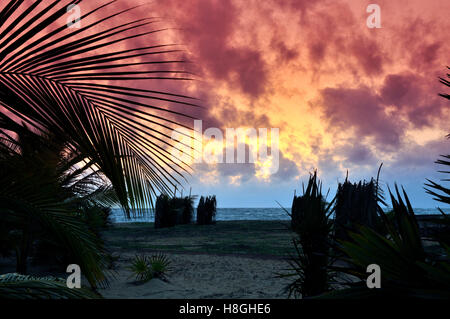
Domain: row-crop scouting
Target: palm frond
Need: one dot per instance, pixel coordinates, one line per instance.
(71, 82)
(446, 83)
(32, 197)
(16, 286)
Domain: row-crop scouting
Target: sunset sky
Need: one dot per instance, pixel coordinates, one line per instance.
(345, 97)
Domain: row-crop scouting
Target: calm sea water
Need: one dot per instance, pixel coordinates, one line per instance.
(224, 214)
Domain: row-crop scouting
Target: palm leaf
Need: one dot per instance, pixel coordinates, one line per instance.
(71, 82)
(15, 286)
(32, 197)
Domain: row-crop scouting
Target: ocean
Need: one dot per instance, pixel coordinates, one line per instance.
(226, 214)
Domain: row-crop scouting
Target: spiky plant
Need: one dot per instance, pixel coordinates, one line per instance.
(406, 268)
(145, 268)
(159, 265)
(311, 221)
(141, 269)
(441, 192)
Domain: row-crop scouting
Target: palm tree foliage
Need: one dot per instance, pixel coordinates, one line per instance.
(87, 85)
(311, 221)
(42, 193)
(447, 83)
(171, 211)
(206, 210)
(440, 192)
(356, 204)
(16, 286)
(145, 268)
(407, 270)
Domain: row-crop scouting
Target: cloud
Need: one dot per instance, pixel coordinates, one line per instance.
(208, 29)
(369, 55)
(262, 64)
(241, 173)
(415, 96)
(361, 110)
(357, 153)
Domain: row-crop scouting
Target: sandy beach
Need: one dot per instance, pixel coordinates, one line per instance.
(238, 259)
(231, 259)
(196, 276)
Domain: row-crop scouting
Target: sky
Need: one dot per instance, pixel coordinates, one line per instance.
(344, 97)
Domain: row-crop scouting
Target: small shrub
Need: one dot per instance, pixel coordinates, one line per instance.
(159, 265)
(140, 268)
(145, 268)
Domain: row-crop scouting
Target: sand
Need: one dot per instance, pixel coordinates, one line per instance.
(195, 276)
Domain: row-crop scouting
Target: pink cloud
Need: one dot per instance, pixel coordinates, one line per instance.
(207, 30)
(360, 109)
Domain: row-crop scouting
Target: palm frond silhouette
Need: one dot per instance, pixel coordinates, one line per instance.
(87, 85)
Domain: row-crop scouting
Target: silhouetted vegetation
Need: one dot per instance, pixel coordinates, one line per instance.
(42, 198)
(311, 221)
(79, 152)
(206, 210)
(356, 204)
(165, 215)
(173, 211)
(16, 286)
(407, 269)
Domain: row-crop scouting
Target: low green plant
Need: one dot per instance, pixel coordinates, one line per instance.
(140, 268)
(145, 268)
(159, 265)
